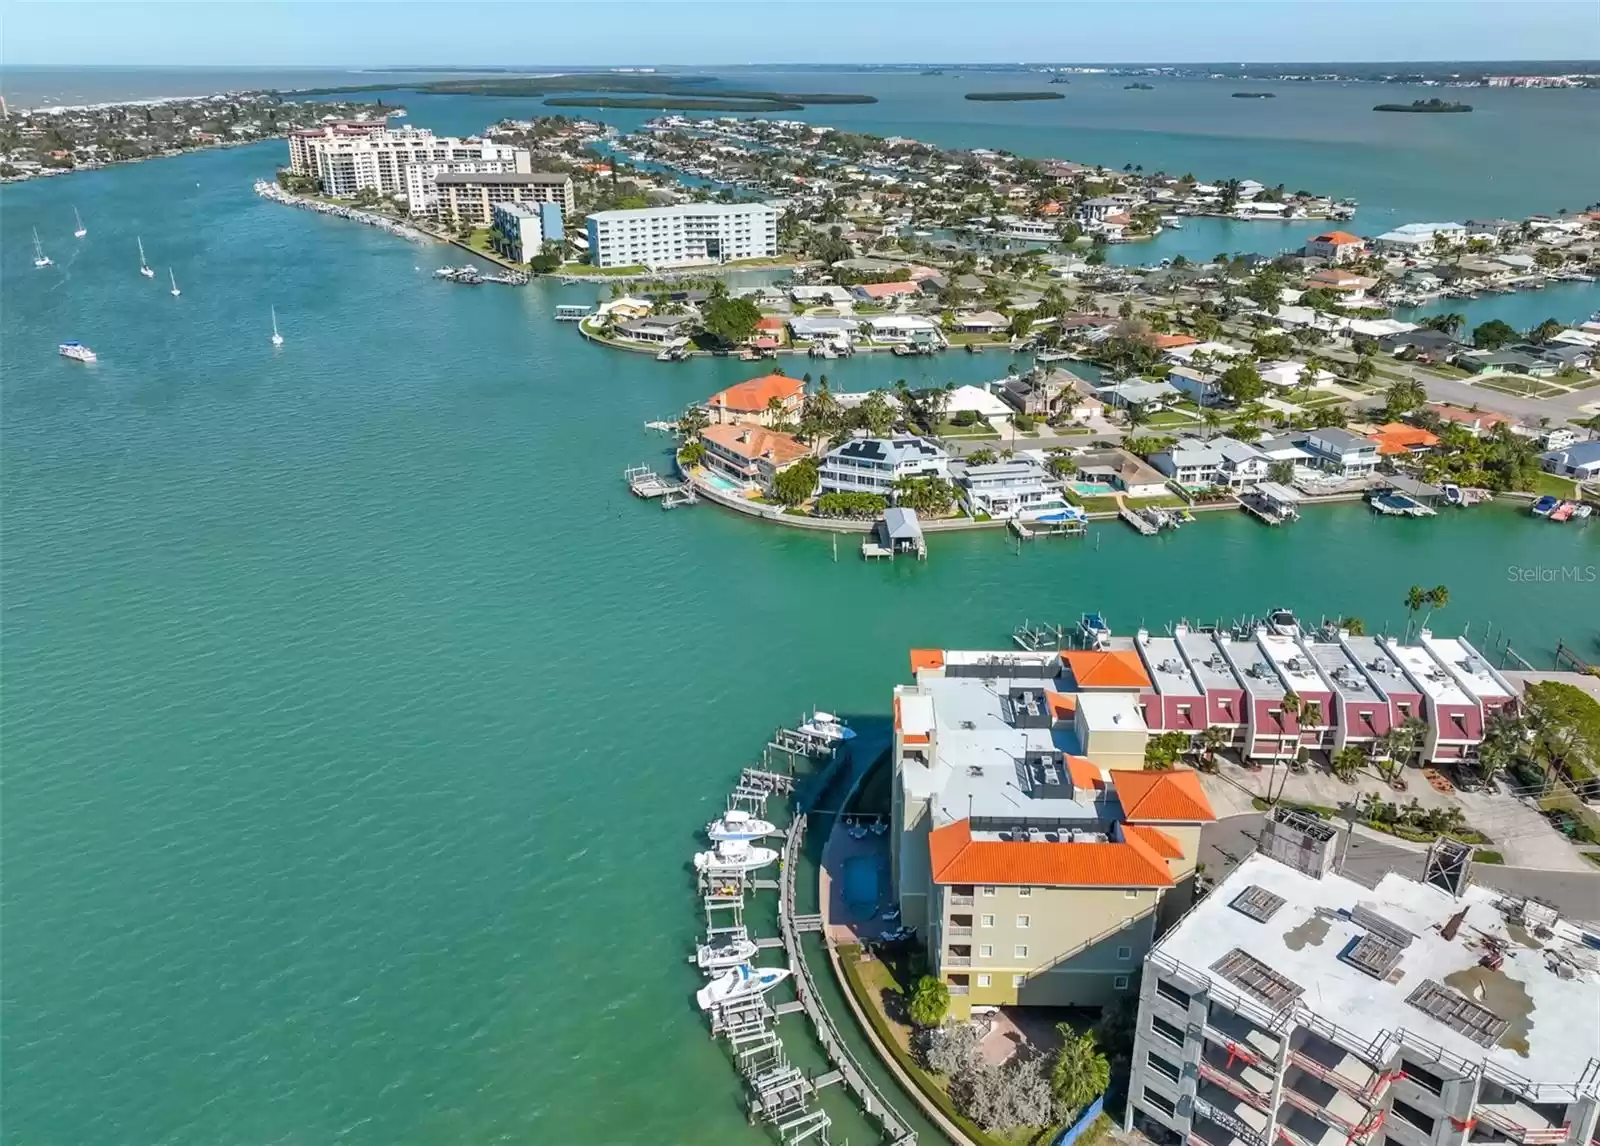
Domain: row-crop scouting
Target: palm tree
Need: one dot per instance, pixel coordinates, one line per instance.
(1438, 598)
(1081, 1073)
(1347, 762)
(1293, 708)
(1137, 415)
(1212, 740)
(1210, 420)
(1416, 600)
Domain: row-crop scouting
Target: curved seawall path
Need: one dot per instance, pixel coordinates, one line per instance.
(355, 715)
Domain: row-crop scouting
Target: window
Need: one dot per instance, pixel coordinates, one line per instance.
(1018, 980)
(986, 921)
(1412, 1116)
(1024, 892)
(1130, 893)
(1020, 951)
(1162, 1067)
(1159, 1102)
(1120, 983)
(1024, 921)
(1423, 1078)
(1124, 953)
(1173, 994)
(986, 950)
(985, 980)
(988, 891)
(1166, 1030)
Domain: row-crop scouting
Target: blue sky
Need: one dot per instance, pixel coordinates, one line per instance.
(332, 33)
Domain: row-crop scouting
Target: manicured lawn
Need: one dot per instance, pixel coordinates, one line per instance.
(1555, 485)
(1445, 370)
(1172, 418)
(1322, 400)
(1522, 387)
(620, 272)
(1094, 504)
(1582, 384)
(1161, 501)
(982, 430)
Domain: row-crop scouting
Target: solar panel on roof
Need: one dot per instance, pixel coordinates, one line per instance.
(1458, 1012)
(1258, 903)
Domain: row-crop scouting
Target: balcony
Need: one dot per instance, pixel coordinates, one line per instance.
(1521, 1122)
(958, 960)
(1238, 1034)
(1333, 1064)
(959, 929)
(1226, 1126)
(961, 900)
(1239, 1075)
(1323, 1100)
(960, 989)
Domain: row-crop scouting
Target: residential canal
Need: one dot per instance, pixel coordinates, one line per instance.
(358, 725)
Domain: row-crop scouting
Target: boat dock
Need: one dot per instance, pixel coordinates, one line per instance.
(569, 312)
(780, 1094)
(897, 532)
(646, 483)
(1143, 524)
(1271, 503)
(1043, 527)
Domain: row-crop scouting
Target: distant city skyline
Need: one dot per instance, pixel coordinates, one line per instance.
(357, 34)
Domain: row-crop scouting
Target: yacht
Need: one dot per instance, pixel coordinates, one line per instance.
(1095, 630)
(723, 953)
(174, 279)
(82, 230)
(743, 982)
(734, 855)
(277, 339)
(1283, 623)
(78, 352)
(737, 825)
(144, 264)
(40, 259)
(827, 726)
(1452, 493)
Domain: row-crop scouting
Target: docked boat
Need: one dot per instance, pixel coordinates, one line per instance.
(743, 982)
(734, 855)
(1584, 510)
(1545, 506)
(1396, 504)
(827, 726)
(724, 953)
(1563, 511)
(1283, 623)
(78, 352)
(738, 825)
(1095, 630)
(1453, 494)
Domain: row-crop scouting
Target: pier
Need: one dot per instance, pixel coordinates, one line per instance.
(1144, 525)
(1067, 527)
(646, 483)
(1271, 503)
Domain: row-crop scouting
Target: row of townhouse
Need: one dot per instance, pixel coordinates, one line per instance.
(1353, 689)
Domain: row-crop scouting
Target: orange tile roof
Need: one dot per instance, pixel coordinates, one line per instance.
(1155, 839)
(1116, 668)
(1062, 704)
(958, 858)
(755, 442)
(769, 322)
(1175, 795)
(1338, 238)
(753, 394)
(1085, 773)
(885, 290)
(1399, 438)
(1169, 341)
(926, 659)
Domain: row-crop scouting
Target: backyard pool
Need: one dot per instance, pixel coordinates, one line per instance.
(1091, 488)
(861, 881)
(725, 484)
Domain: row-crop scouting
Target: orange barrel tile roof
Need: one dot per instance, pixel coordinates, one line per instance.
(756, 442)
(1155, 839)
(753, 394)
(1174, 796)
(958, 858)
(1338, 238)
(1085, 773)
(1113, 668)
(1399, 438)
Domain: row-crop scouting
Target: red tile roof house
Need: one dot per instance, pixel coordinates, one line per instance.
(750, 402)
(880, 292)
(1477, 422)
(750, 455)
(1336, 246)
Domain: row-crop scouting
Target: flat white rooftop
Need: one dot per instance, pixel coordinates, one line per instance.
(1205, 657)
(1554, 1022)
(1427, 674)
(1110, 711)
(1164, 662)
(1294, 665)
(1468, 667)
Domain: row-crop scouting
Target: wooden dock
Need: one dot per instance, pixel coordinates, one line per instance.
(1143, 524)
(1027, 531)
(646, 483)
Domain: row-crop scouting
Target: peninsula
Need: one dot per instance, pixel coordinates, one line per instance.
(1011, 97)
(1425, 106)
(698, 93)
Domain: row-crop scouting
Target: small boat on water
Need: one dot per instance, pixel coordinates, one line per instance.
(82, 230)
(78, 352)
(827, 726)
(174, 280)
(1545, 506)
(734, 855)
(1563, 511)
(277, 339)
(725, 953)
(1583, 511)
(737, 825)
(1452, 494)
(144, 264)
(40, 259)
(1283, 623)
(1095, 630)
(743, 982)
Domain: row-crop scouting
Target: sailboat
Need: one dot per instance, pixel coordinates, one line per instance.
(175, 291)
(144, 265)
(82, 230)
(277, 339)
(40, 259)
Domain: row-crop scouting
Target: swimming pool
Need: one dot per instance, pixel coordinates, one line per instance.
(861, 881)
(1091, 489)
(725, 484)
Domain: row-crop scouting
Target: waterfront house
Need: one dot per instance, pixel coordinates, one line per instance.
(982, 322)
(1216, 461)
(1580, 462)
(1335, 246)
(979, 400)
(1122, 471)
(824, 329)
(884, 292)
(624, 308)
(1299, 673)
(749, 454)
(1270, 732)
(1340, 452)
(751, 402)
(658, 330)
(1017, 487)
(1151, 395)
(874, 465)
(1415, 239)
(1041, 393)
(1398, 440)
(1174, 700)
(1224, 691)
(1352, 288)
(904, 330)
(1460, 691)
(1104, 670)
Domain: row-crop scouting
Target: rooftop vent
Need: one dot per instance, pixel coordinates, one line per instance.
(974, 769)
(1258, 903)
(968, 725)
(1245, 970)
(1458, 1012)
(1365, 917)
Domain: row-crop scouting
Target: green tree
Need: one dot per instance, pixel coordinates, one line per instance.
(692, 421)
(730, 320)
(1565, 725)
(1281, 471)
(794, 484)
(1080, 1073)
(1347, 762)
(1404, 396)
(983, 457)
(1494, 334)
(1213, 739)
(930, 1002)
(1162, 750)
(1355, 626)
(1545, 331)
(875, 414)
(1242, 383)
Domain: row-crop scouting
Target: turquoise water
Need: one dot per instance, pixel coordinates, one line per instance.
(358, 724)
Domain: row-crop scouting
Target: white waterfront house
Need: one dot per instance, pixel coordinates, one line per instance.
(1017, 487)
(683, 235)
(1419, 238)
(1216, 461)
(873, 465)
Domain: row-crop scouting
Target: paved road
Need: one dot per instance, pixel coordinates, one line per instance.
(1227, 842)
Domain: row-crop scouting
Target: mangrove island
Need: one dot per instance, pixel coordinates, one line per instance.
(1011, 97)
(1255, 95)
(1424, 105)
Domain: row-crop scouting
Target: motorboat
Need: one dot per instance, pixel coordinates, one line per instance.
(827, 726)
(1095, 630)
(173, 278)
(1584, 510)
(743, 982)
(1563, 511)
(734, 855)
(78, 352)
(720, 954)
(1453, 494)
(737, 825)
(1544, 506)
(1283, 623)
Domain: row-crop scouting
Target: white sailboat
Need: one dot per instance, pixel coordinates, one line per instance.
(40, 259)
(174, 279)
(743, 982)
(277, 339)
(82, 230)
(144, 264)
